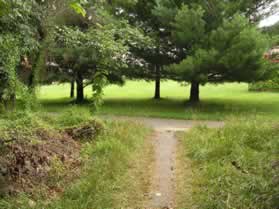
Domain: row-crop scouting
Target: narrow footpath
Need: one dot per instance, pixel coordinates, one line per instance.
(162, 192)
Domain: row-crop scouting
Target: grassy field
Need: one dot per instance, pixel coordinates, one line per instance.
(135, 99)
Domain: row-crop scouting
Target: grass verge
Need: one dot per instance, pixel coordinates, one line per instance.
(184, 176)
(233, 167)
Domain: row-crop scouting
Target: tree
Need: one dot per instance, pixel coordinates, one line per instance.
(8, 62)
(150, 58)
(92, 48)
(85, 56)
(155, 58)
(215, 46)
(19, 38)
(254, 10)
(272, 30)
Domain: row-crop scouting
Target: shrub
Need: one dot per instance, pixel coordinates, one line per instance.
(270, 85)
(73, 116)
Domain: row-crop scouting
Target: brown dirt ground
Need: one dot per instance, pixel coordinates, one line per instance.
(26, 165)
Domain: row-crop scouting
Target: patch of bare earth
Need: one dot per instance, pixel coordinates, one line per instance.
(26, 165)
(162, 194)
(43, 162)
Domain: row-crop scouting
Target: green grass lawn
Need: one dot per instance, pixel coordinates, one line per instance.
(135, 99)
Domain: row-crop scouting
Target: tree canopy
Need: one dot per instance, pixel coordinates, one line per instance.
(216, 44)
(99, 42)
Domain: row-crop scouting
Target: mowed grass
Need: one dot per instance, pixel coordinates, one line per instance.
(135, 99)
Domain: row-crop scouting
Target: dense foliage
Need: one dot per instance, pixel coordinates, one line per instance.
(99, 42)
(217, 42)
(272, 83)
(20, 34)
(269, 85)
(9, 60)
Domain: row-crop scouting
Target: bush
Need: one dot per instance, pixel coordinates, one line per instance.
(237, 166)
(271, 85)
(69, 117)
(73, 116)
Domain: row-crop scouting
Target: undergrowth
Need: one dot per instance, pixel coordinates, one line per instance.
(104, 161)
(107, 161)
(236, 166)
(67, 117)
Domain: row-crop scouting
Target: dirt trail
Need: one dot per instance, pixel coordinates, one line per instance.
(162, 194)
(162, 191)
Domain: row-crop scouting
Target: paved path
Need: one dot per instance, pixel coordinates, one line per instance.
(162, 194)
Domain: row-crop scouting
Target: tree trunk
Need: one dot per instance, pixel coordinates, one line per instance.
(157, 83)
(13, 101)
(31, 84)
(80, 93)
(72, 94)
(195, 92)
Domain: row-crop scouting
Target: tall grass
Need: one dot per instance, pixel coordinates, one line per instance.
(106, 162)
(71, 116)
(236, 166)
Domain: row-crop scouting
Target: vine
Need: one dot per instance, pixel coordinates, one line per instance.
(9, 59)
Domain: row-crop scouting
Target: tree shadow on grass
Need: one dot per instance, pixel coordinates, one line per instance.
(56, 105)
(207, 109)
(177, 108)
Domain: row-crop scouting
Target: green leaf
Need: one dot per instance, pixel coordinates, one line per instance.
(78, 8)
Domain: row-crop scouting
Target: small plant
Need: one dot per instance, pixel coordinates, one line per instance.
(73, 116)
(56, 171)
